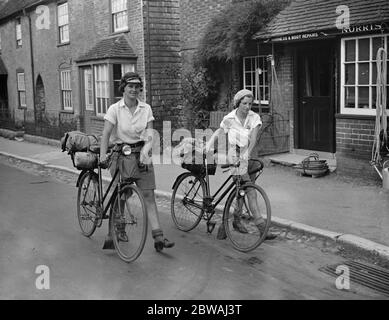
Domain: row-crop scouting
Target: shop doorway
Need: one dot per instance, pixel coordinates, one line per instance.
(315, 97)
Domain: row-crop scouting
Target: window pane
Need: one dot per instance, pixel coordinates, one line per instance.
(363, 97)
(377, 43)
(363, 77)
(117, 72)
(350, 50)
(248, 79)
(374, 75)
(128, 68)
(364, 50)
(350, 74)
(374, 96)
(350, 97)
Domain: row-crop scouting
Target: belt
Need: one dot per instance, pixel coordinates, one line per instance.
(135, 145)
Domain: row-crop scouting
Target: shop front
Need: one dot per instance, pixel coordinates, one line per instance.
(333, 73)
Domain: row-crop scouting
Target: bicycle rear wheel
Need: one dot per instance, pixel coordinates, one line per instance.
(129, 224)
(251, 203)
(187, 202)
(87, 204)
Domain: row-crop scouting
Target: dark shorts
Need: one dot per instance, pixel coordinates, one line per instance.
(145, 180)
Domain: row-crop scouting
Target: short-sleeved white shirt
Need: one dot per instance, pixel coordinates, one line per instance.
(239, 134)
(128, 127)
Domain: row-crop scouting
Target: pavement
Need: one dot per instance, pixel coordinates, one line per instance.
(348, 212)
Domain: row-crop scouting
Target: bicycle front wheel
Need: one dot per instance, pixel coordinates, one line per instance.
(87, 204)
(188, 201)
(241, 214)
(128, 222)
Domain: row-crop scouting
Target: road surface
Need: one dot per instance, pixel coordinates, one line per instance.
(39, 228)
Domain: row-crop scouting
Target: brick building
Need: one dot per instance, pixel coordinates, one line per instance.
(326, 54)
(67, 57)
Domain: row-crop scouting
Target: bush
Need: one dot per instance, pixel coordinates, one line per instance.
(229, 33)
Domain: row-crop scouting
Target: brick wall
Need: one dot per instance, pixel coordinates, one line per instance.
(355, 137)
(284, 63)
(354, 142)
(162, 60)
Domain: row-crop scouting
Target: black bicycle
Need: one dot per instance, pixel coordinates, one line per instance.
(192, 201)
(127, 227)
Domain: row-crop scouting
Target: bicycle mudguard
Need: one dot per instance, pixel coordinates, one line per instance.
(178, 178)
(81, 174)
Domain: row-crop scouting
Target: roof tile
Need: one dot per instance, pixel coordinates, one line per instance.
(116, 47)
(319, 15)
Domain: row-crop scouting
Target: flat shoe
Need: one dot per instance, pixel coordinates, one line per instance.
(160, 245)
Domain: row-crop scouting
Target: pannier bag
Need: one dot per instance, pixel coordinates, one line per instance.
(74, 141)
(85, 160)
(77, 144)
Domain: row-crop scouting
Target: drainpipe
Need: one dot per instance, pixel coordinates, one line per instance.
(148, 52)
(32, 61)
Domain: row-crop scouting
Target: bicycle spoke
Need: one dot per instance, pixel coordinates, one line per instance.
(87, 204)
(130, 224)
(241, 214)
(187, 202)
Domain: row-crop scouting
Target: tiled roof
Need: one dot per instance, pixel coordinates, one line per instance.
(116, 47)
(3, 70)
(303, 16)
(10, 7)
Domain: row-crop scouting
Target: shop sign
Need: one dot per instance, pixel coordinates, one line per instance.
(303, 36)
(364, 28)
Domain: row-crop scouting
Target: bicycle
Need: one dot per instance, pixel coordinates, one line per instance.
(192, 201)
(127, 227)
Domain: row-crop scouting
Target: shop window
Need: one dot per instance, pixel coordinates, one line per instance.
(255, 71)
(359, 74)
(21, 90)
(66, 90)
(119, 15)
(63, 23)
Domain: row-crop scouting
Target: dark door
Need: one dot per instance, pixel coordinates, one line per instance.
(3, 93)
(316, 115)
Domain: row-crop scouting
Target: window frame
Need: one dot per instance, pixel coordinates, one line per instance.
(63, 27)
(88, 90)
(66, 89)
(102, 91)
(18, 32)
(21, 89)
(114, 15)
(371, 111)
(98, 111)
(256, 84)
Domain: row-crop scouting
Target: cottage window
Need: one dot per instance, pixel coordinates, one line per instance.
(21, 90)
(119, 15)
(101, 88)
(66, 90)
(255, 78)
(359, 74)
(118, 71)
(19, 33)
(63, 23)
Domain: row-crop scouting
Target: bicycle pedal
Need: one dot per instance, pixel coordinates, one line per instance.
(210, 226)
